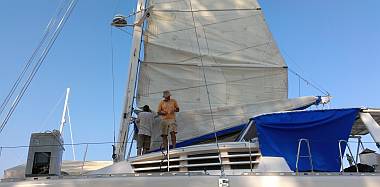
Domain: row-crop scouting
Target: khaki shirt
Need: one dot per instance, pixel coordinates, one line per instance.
(169, 107)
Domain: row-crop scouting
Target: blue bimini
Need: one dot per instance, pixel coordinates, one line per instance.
(279, 135)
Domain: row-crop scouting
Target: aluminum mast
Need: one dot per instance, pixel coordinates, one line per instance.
(130, 88)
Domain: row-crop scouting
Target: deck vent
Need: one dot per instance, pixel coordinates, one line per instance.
(45, 154)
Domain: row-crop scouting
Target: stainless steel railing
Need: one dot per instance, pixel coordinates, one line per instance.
(341, 155)
(299, 152)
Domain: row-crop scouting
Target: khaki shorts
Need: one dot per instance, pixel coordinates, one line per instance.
(143, 141)
(168, 125)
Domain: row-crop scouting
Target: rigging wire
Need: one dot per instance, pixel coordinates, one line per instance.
(299, 87)
(117, 2)
(71, 131)
(125, 31)
(323, 91)
(31, 59)
(208, 10)
(113, 85)
(43, 124)
(51, 41)
(207, 91)
(300, 77)
(38, 64)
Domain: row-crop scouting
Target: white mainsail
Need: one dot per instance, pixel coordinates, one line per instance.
(236, 51)
(215, 57)
(225, 42)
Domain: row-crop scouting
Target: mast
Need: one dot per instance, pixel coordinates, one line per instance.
(130, 88)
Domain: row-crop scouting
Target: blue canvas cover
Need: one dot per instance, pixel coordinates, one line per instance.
(279, 134)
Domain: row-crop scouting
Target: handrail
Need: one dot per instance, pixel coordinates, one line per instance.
(84, 159)
(359, 144)
(250, 155)
(298, 153)
(168, 154)
(341, 156)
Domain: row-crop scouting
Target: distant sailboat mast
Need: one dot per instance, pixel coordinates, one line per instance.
(66, 114)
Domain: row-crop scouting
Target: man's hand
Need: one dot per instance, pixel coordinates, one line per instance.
(161, 113)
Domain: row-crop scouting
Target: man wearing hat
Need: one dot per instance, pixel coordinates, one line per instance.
(167, 109)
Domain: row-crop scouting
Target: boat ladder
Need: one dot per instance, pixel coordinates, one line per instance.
(341, 155)
(306, 141)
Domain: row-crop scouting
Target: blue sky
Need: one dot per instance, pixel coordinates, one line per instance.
(333, 43)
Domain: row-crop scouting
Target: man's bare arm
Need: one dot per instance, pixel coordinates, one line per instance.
(176, 107)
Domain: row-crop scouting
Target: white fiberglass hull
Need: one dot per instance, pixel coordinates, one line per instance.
(270, 180)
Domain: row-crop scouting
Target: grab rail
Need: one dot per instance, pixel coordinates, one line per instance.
(298, 154)
(341, 155)
(168, 155)
(250, 155)
(84, 159)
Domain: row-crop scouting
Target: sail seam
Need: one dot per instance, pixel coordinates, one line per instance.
(213, 23)
(221, 55)
(213, 84)
(208, 10)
